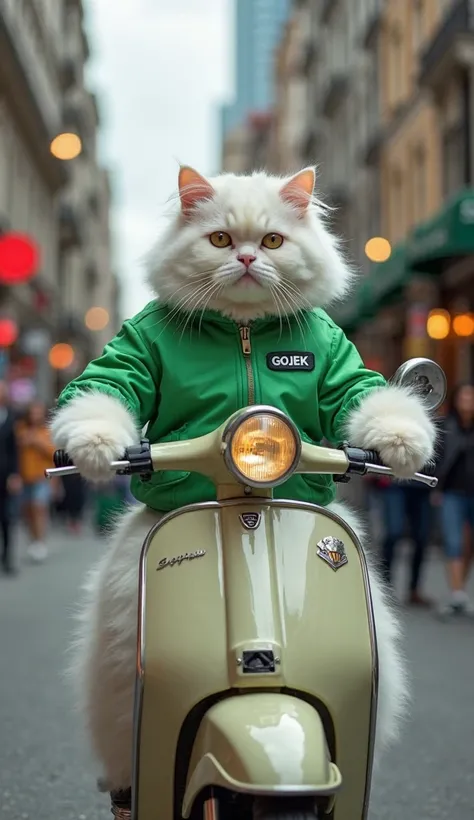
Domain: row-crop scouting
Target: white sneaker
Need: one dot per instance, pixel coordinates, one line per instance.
(459, 604)
(37, 552)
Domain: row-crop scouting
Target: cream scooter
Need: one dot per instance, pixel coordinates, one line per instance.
(255, 614)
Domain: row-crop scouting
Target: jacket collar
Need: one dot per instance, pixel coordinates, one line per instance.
(215, 317)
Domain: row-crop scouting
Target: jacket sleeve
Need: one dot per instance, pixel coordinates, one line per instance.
(345, 382)
(126, 370)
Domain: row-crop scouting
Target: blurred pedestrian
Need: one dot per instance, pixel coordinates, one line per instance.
(406, 508)
(73, 501)
(111, 501)
(10, 482)
(456, 495)
(35, 455)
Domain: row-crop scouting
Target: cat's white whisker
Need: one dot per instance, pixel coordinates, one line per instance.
(278, 303)
(181, 304)
(218, 288)
(208, 292)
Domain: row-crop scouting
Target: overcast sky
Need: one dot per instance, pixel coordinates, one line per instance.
(160, 68)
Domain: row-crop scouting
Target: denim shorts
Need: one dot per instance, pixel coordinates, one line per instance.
(456, 511)
(39, 492)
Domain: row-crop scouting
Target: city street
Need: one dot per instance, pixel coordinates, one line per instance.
(46, 770)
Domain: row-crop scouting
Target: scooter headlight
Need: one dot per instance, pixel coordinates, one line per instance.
(263, 447)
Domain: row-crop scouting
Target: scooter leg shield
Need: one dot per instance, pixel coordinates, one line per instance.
(261, 744)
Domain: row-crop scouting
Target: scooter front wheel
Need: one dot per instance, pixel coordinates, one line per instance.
(286, 808)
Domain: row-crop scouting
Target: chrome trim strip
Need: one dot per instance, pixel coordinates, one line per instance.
(232, 427)
(233, 502)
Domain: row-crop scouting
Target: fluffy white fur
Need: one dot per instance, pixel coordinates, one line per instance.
(95, 429)
(191, 274)
(308, 270)
(394, 421)
(103, 656)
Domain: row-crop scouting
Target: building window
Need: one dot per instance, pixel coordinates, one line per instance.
(396, 68)
(419, 183)
(418, 24)
(373, 210)
(396, 205)
(453, 160)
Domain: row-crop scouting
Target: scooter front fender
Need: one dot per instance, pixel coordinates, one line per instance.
(261, 743)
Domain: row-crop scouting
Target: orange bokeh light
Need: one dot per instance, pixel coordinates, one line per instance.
(438, 324)
(66, 146)
(463, 325)
(378, 249)
(97, 318)
(61, 356)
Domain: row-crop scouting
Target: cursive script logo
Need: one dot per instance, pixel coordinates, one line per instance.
(178, 560)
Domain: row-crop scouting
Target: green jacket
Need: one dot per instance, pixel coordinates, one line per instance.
(186, 377)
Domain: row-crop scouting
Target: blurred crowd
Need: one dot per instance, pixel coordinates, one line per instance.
(29, 498)
(396, 510)
(444, 517)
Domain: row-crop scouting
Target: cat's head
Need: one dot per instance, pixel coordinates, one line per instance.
(248, 246)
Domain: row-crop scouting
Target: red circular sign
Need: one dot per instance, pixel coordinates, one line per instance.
(8, 332)
(19, 258)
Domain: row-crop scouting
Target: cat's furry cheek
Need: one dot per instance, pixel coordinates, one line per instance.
(395, 422)
(95, 429)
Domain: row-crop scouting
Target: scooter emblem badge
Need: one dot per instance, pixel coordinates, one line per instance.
(332, 551)
(250, 520)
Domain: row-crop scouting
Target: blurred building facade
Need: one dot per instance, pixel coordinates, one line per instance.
(258, 27)
(63, 206)
(291, 113)
(379, 94)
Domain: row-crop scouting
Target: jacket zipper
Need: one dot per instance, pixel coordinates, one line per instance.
(247, 353)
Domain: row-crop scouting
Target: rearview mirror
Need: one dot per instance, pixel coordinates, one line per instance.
(425, 377)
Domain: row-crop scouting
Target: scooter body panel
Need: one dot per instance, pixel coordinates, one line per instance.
(259, 606)
(264, 743)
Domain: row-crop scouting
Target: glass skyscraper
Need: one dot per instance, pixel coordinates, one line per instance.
(258, 29)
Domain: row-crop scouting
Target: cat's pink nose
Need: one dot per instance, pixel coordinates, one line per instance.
(246, 258)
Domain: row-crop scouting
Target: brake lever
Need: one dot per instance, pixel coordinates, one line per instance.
(364, 462)
(422, 478)
(118, 467)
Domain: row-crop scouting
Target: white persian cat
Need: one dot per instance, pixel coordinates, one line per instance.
(244, 280)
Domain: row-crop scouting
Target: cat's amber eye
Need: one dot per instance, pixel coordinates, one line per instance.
(272, 241)
(220, 239)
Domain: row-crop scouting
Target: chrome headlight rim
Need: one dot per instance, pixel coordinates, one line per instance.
(236, 421)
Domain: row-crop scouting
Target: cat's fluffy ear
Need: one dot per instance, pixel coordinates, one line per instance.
(298, 190)
(193, 188)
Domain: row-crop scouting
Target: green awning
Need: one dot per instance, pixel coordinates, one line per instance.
(449, 234)
(384, 282)
(387, 279)
(358, 307)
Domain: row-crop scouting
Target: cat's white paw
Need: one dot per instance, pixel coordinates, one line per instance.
(95, 429)
(394, 422)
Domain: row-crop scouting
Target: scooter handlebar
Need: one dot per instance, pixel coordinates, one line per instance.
(364, 462)
(137, 459)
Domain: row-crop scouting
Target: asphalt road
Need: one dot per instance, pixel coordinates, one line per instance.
(46, 771)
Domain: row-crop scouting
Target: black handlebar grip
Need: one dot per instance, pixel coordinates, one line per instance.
(61, 459)
(373, 457)
(429, 468)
